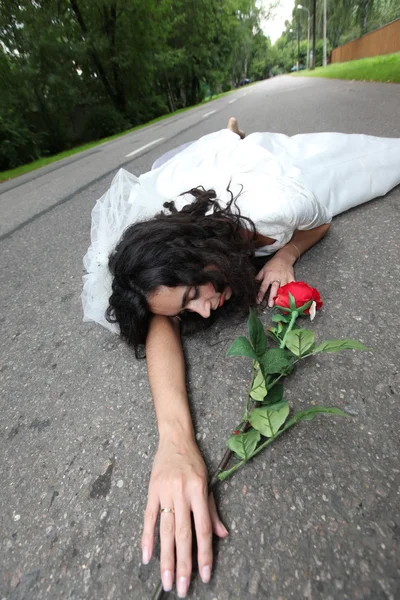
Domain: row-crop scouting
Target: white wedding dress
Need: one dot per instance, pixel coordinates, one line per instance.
(285, 183)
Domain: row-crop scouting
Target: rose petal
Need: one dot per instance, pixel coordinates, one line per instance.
(313, 310)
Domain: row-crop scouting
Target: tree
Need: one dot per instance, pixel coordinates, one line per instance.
(74, 70)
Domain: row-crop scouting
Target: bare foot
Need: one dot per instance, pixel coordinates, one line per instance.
(233, 126)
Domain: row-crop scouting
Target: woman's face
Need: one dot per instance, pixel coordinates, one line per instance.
(171, 302)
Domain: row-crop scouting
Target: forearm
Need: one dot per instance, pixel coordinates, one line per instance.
(301, 242)
(166, 371)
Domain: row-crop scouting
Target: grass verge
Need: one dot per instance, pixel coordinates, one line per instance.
(385, 68)
(41, 162)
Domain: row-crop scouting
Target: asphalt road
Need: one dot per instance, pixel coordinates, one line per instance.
(315, 517)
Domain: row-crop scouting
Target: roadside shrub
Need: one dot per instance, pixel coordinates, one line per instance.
(17, 143)
(104, 121)
(140, 112)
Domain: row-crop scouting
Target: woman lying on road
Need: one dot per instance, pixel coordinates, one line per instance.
(186, 256)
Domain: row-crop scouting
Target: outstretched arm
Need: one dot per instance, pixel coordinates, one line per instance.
(279, 269)
(179, 476)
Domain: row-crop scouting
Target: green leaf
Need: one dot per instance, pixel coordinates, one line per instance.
(301, 309)
(275, 394)
(285, 308)
(259, 389)
(337, 345)
(278, 318)
(244, 444)
(258, 336)
(276, 360)
(292, 302)
(298, 341)
(310, 413)
(277, 405)
(241, 347)
(268, 420)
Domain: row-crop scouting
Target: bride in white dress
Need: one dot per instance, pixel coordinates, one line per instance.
(224, 200)
(287, 185)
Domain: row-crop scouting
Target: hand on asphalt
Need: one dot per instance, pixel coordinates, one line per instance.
(179, 481)
(276, 273)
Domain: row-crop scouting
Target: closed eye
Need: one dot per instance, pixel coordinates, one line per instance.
(194, 296)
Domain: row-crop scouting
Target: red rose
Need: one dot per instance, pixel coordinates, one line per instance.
(301, 292)
(236, 432)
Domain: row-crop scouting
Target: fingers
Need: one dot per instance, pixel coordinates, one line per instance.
(183, 539)
(274, 287)
(167, 555)
(217, 526)
(204, 529)
(272, 277)
(273, 292)
(150, 519)
(176, 531)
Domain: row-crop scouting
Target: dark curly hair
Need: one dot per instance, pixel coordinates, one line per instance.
(172, 250)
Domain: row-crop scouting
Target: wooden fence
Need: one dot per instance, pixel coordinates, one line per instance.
(384, 40)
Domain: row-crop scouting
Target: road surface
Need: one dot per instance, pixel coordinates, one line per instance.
(315, 517)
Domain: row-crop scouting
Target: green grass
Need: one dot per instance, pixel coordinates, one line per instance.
(384, 68)
(41, 162)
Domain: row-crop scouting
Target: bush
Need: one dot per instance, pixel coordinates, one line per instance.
(141, 112)
(104, 121)
(226, 86)
(17, 143)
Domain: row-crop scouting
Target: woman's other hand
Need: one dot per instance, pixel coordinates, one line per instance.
(179, 481)
(273, 275)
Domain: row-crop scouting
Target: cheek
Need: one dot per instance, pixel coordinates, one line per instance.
(209, 290)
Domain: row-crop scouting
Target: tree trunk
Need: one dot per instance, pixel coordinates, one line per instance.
(170, 95)
(56, 139)
(314, 32)
(94, 55)
(111, 32)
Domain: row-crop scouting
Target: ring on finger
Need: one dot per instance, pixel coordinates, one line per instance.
(276, 281)
(167, 510)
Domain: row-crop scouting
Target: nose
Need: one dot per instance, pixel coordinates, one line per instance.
(202, 307)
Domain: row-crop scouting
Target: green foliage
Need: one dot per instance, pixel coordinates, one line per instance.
(276, 360)
(275, 394)
(299, 341)
(347, 20)
(16, 142)
(104, 121)
(310, 413)
(378, 68)
(244, 444)
(74, 70)
(338, 345)
(259, 389)
(266, 412)
(242, 347)
(269, 419)
(258, 336)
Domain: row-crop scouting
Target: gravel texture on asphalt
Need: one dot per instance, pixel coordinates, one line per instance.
(317, 515)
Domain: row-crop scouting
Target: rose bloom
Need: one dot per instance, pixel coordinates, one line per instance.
(301, 292)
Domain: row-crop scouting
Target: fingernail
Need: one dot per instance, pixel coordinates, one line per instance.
(206, 574)
(225, 529)
(181, 587)
(145, 556)
(167, 581)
